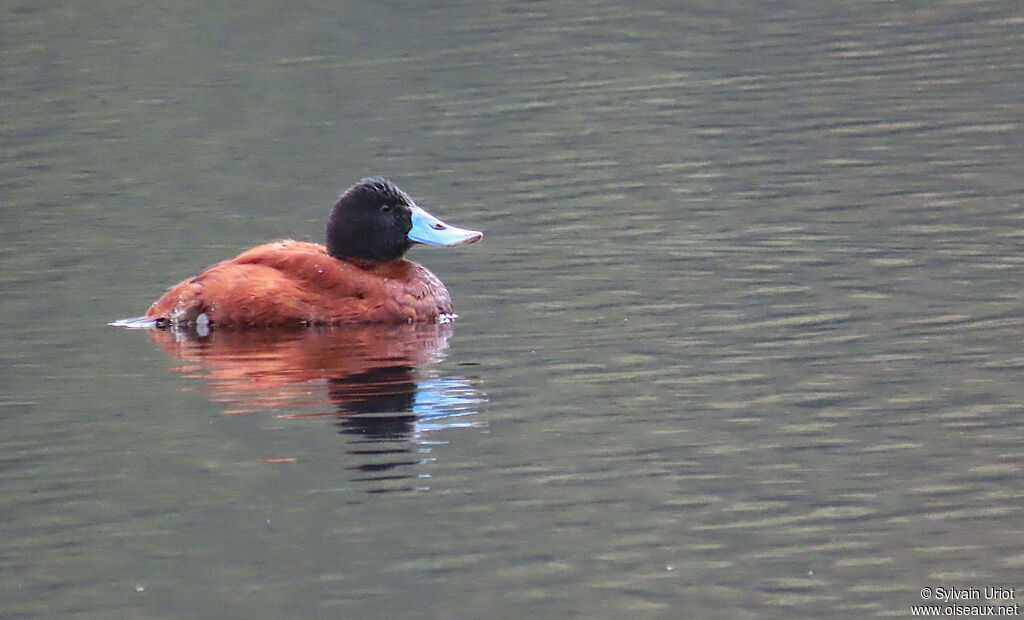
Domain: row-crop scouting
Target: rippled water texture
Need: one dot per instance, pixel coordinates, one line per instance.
(743, 338)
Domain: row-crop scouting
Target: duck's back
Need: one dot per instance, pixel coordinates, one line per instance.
(293, 282)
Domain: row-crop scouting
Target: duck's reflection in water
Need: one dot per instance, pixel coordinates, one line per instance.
(375, 380)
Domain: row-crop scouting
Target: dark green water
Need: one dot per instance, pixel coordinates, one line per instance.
(743, 339)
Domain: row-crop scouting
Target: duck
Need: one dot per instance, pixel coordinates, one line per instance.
(358, 276)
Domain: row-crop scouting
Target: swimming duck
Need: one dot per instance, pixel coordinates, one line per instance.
(359, 276)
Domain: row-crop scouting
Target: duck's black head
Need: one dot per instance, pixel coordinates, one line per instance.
(376, 220)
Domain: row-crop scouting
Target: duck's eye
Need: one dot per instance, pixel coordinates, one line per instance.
(385, 208)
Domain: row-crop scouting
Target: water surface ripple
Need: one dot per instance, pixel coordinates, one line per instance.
(743, 339)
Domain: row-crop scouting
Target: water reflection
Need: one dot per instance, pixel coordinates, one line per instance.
(375, 380)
